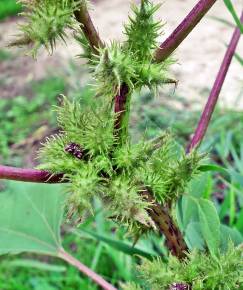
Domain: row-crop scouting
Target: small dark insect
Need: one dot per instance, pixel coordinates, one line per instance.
(75, 150)
(179, 286)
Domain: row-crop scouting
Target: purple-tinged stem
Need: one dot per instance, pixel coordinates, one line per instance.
(29, 175)
(85, 270)
(213, 97)
(120, 109)
(89, 30)
(182, 31)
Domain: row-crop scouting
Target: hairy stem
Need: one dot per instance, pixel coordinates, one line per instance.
(120, 107)
(213, 97)
(182, 31)
(29, 175)
(85, 270)
(86, 24)
(166, 226)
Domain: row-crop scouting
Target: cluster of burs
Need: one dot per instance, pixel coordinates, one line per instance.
(99, 162)
(96, 160)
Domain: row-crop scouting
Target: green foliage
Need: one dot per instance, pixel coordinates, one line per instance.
(9, 8)
(22, 278)
(40, 209)
(26, 273)
(89, 155)
(200, 221)
(198, 270)
(121, 246)
(113, 67)
(21, 115)
(132, 286)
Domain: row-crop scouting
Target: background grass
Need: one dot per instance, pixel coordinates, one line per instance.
(9, 8)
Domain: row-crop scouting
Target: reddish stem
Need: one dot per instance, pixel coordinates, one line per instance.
(120, 108)
(89, 30)
(182, 31)
(213, 97)
(29, 175)
(85, 270)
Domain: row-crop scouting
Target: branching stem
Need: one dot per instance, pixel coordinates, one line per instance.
(29, 175)
(166, 226)
(213, 97)
(182, 31)
(86, 24)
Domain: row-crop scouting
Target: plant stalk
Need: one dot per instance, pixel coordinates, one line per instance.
(120, 108)
(29, 175)
(166, 226)
(213, 97)
(182, 31)
(85, 270)
(88, 28)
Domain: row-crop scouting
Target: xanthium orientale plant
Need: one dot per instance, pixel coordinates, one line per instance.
(138, 183)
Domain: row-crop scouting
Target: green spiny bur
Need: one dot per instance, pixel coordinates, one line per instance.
(142, 31)
(87, 154)
(46, 21)
(113, 67)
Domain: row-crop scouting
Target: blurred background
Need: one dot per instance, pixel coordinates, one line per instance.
(28, 88)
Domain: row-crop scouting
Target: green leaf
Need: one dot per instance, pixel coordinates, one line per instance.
(201, 213)
(118, 245)
(194, 236)
(209, 224)
(214, 168)
(30, 218)
(189, 210)
(239, 224)
(26, 263)
(231, 9)
(200, 186)
(229, 234)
